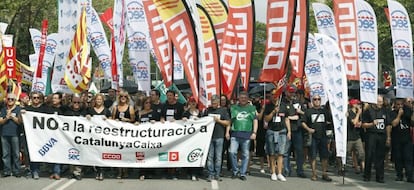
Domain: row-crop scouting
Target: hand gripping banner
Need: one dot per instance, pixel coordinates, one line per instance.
(108, 143)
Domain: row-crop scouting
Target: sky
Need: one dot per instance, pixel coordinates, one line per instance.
(260, 10)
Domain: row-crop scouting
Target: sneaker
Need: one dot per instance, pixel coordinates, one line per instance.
(281, 177)
(273, 177)
(218, 178)
(234, 176)
(209, 178)
(35, 175)
(243, 178)
(193, 178)
(142, 177)
(262, 171)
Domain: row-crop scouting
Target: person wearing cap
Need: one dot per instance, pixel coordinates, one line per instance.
(314, 122)
(243, 130)
(376, 121)
(294, 113)
(354, 142)
(10, 121)
(277, 136)
(222, 119)
(24, 100)
(401, 147)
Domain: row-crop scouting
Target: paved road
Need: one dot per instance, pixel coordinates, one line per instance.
(256, 181)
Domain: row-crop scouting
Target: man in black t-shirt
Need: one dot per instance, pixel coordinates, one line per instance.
(376, 120)
(222, 119)
(277, 136)
(156, 104)
(172, 110)
(315, 123)
(402, 151)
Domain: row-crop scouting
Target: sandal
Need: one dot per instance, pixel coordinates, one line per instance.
(314, 178)
(326, 178)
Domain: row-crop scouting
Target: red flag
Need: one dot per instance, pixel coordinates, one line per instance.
(160, 41)
(280, 19)
(10, 61)
(299, 41)
(346, 22)
(176, 18)
(43, 40)
(106, 17)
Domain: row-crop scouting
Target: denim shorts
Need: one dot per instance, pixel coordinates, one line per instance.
(276, 142)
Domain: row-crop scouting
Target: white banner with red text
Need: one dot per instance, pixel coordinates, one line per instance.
(103, 142)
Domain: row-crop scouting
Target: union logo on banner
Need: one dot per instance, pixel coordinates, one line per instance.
(10, 61)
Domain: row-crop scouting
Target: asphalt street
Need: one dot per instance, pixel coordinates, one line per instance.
(255, 180)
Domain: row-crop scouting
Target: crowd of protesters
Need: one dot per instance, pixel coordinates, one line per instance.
(276, 129)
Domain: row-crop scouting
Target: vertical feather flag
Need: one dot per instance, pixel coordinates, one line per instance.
(333, 70)
(325, 20)
(176, 18)
(119, 39)
(210, 65)
(280, 25)
(237, 45)
(402, 41)
(160, 40)
(346, 23)
(299, 41)
(217, 11)
(78, 67)
(367, 52)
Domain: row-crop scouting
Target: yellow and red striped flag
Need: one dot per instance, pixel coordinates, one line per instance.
(78, 66)
(3, 76)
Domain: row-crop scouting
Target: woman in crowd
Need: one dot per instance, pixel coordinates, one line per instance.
(123, 112)
(98, 108)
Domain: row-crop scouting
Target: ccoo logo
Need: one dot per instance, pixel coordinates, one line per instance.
(399, 20)
(312, 67)
(135, 12)
(402, 50)
(404, 78)
(137, 41)
(368, 82)
(366, 21)
(316, 88)
(367, 51)
(324, 19)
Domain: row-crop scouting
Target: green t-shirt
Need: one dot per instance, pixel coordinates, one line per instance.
(242, 117)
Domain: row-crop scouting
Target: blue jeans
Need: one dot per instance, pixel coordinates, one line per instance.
(11, 154)
(297, 142)
(244, 144)
(215, 156)
(286, 159)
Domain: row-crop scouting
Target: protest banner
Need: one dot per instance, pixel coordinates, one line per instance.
(109, 143)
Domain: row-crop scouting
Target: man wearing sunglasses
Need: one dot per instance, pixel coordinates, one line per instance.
(315, 123)
(10, 120)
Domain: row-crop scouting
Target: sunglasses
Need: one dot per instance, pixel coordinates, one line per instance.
(10, 99)
(76, 102)
(36, 97)
(316, 99)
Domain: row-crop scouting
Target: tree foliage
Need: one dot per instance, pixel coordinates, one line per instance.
(24, 14)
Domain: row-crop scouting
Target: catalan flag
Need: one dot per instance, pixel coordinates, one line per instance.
(3, 76)
(78, 66)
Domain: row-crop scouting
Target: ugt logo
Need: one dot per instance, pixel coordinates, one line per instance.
(74, 154)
